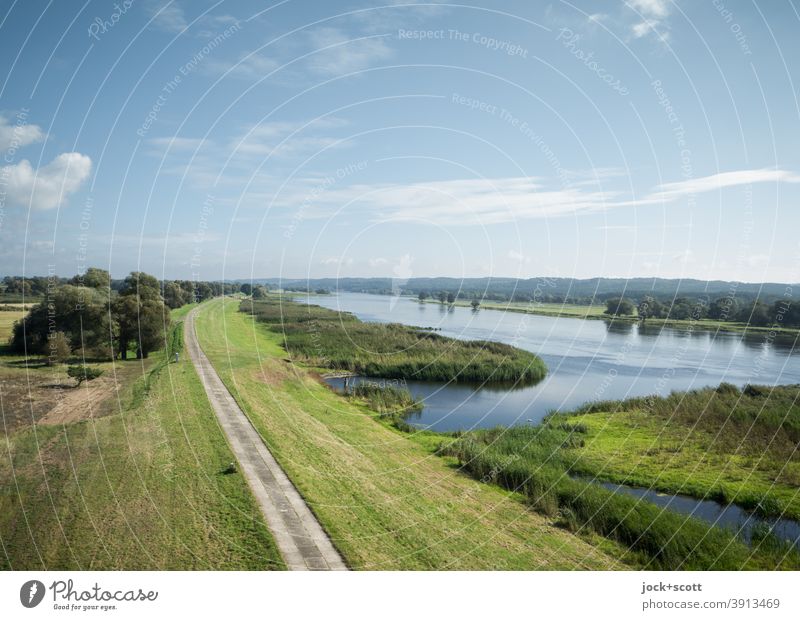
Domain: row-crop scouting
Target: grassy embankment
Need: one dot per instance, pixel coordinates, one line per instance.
(385, 499)
(338, 340)
(576, 311)
(724, 444)
(131, 481)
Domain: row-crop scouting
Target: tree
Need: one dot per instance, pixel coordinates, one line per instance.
(475, 303)
(422, 296)
(93, 278)
(649, 307)
(59, 349)
(443, 296)
(80, 313)
(141, 315)
(259, 291)
(246, 288)
(174, 296)
(723, 309)
(757, 314)
(619, 306)
(451, 298)
(142, 285)
(83, 373)
(203, 291)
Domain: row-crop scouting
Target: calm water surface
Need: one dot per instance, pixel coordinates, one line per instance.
(587, 360)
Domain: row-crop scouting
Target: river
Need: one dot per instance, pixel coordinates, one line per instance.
(587, 359)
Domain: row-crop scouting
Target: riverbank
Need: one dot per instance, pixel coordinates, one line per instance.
(598, 312)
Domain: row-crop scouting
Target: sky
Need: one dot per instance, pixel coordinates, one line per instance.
(252, 139)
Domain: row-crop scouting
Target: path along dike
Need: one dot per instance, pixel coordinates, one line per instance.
(301, 540)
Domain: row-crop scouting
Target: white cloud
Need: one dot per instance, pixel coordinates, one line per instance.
(18, 135)
(251, 67)
(652, 8)
(49, 186)
(464, 202)
(377, 262)
(652, 16)
(518, 257)
(338, 53)
(722, 180)
(336, 260)
(167, 15)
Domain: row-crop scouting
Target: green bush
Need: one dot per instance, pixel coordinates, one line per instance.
(83, 373)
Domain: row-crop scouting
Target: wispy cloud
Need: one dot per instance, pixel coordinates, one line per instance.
(337, 53)
(463, 202)
(671, 191)
(251, 67)
(167, 15)
(49, 186)
(18, 135)
(651, 18)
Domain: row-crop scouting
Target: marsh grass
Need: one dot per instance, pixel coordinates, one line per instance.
(532, 461)
(327, 339)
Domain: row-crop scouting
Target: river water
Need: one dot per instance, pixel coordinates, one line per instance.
(587, 360)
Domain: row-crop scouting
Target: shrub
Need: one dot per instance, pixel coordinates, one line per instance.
(83, 373)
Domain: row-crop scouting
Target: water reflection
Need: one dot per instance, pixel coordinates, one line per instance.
(588, 359)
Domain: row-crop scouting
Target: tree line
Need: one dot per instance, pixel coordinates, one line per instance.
(103, 318)
(754, 312)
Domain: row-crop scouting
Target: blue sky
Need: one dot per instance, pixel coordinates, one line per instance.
(256, 139)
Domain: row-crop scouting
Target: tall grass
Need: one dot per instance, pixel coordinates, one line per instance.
(529, 461)
(337, 340)
(768, 416)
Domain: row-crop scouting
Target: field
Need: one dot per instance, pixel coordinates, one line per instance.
(130, 479)
(725, 444)
(324, 338)
(386, 500)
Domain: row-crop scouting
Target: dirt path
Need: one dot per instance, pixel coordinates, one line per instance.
(301, 540)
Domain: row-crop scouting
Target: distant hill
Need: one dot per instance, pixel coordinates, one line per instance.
(544, 289)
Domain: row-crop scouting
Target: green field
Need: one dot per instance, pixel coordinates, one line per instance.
(386, 500)
(134, 483)
(324, 338)
(724, 444)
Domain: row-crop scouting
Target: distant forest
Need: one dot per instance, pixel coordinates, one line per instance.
(547, 290)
